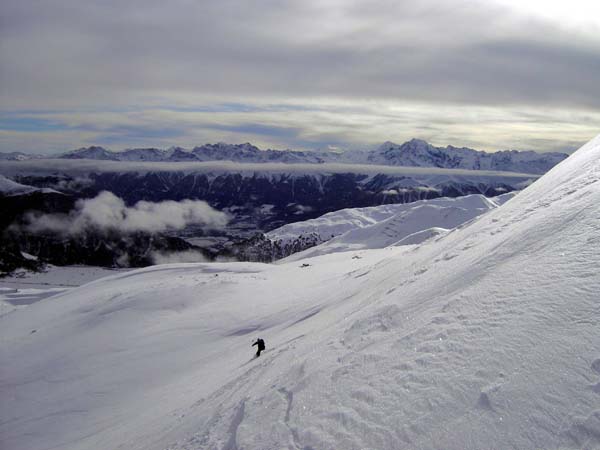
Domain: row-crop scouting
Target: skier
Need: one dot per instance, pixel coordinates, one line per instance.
(261, 346)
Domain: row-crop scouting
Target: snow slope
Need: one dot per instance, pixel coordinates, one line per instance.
(339, 222)
(380, 226)
(24, 288)
(10, 188)
(484, 339)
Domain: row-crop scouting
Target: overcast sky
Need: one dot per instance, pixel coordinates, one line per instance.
(489, 74)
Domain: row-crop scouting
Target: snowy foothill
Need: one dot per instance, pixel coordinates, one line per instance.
(10, 188)
(484, 338)
(381, 226)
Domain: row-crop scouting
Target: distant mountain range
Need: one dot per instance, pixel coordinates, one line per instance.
(257, 197)
(209, 152)
(414, 153)
(418, 153)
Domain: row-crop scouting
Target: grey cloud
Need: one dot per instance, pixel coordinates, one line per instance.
(83, 166)
(109, 51)
(187, 256)
(107, 212)
(243, 64)
(75, 184)
(348, 124)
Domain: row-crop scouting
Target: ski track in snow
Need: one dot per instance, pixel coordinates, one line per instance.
(483, 338)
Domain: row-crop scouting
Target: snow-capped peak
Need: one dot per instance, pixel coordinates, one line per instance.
(414, 143)
(420, 153)
(92, 152)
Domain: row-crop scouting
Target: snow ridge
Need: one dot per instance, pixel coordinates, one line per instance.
(11, 188)
(380, 226)
(419, 153)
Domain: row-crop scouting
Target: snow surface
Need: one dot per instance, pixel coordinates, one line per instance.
(9, 188)
(484, 339)
(24, 288)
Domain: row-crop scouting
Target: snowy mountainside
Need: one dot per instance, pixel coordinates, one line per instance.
(92, 152)
(9, 188)
(485, 338)
(250, 153)
(145, 154)
(382, 225)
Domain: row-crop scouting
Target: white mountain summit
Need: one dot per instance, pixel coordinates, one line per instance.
(419, 153)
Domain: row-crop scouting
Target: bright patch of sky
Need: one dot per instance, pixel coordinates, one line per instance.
(573, 13)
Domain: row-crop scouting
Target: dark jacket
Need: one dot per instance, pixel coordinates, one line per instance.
(260, 343)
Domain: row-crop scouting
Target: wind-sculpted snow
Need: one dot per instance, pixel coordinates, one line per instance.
(484, 338)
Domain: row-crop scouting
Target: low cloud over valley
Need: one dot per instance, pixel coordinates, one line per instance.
(108, 213)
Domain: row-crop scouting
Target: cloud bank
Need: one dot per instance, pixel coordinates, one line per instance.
(467, 51)
(283, 73)
(82, 167)
(187, 256)
(108, 213)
